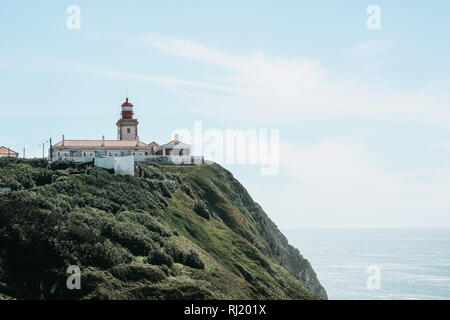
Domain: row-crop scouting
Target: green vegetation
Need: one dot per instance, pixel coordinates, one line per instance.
(201, 209)
(169, 232)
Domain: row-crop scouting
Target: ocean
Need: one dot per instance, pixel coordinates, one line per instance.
(378, 264)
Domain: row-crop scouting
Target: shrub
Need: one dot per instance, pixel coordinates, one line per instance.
(159, 258)
(190, 258)
(187, 189)
(166, 187)
(24, 174)
(63, 164)
(135, 272)
(127, 233)
(201, 209)
(145, 219)
(193, 260)
(175, 252)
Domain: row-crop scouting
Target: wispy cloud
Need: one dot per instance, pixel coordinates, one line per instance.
(368, 56)
(367, 49)
(297, 87)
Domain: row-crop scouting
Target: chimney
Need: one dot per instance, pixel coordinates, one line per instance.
(63, 140)
(176, 137)
(103, 141)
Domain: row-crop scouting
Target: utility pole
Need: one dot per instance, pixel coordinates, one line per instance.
(43, 148)
(24, 152)
(50, 156)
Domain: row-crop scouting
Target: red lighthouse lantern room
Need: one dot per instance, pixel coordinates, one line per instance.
(127, 110)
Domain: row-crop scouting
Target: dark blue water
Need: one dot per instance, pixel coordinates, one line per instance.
(412, 263)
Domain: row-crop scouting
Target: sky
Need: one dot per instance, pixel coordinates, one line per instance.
(363, 114)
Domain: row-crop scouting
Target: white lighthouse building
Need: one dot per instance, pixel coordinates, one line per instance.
(127, 144)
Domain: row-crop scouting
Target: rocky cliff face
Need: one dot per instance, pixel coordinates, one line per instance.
(290, 258)
(274, 243)
(170, 232)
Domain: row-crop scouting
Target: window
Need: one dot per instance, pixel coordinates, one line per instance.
(128, 130)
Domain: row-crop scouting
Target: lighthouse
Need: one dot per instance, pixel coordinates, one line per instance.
(127, 144)
(127, 126)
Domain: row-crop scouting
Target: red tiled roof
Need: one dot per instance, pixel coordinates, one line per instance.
(4, 150)
(98, 143)
(153, 144)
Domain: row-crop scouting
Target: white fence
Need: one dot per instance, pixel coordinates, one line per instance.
(143, 158)
(171, 159)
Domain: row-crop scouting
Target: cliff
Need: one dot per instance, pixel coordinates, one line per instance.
(169, 232)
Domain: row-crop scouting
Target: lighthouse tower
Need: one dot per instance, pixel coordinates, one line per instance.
(127, 126)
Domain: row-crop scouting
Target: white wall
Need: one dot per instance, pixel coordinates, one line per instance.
(10, 156)
(106, 163)
(121, 165)
(124, 165)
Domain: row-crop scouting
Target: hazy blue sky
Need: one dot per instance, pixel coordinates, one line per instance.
(364, 115)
